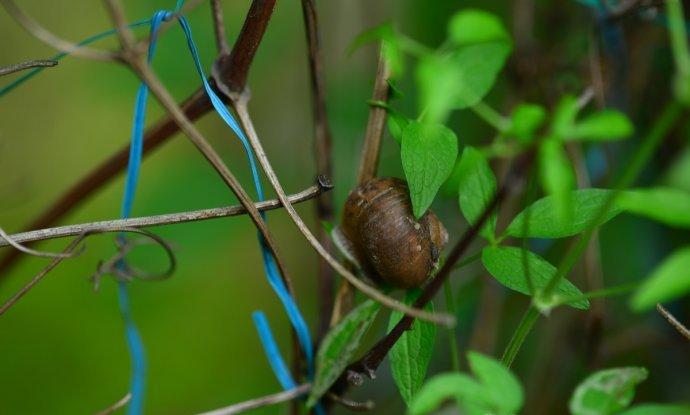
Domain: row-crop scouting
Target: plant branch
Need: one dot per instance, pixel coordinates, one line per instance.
(196, 105)
(6, 70)
(313, 191)
(240, 106)
(267, 400)
(369, 159)
(39, 32)
(684, 331)
(117, 405)
(324, 161)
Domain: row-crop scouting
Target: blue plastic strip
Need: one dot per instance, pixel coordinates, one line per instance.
(275, 359)
(134, 342)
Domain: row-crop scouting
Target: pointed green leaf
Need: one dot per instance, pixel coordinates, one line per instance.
(606, 392)
(665, 205)
(476, 189)
(503, 388)
(476, 26)
(602, 126)
(450, 186)
(459, 387)
(668, 281)
(657, 409)
(539, 220)
(411, 354)
(525, 121)
(339, 346)
(460, 79)
(557, 177)
(507, 265)
(428, 153)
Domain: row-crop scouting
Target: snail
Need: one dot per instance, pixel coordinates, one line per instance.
(379, 233)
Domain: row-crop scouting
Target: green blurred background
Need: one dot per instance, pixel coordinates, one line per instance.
(62, 348)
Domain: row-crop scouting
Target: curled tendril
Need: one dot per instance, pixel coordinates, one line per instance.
(69, 253)
(119, 269)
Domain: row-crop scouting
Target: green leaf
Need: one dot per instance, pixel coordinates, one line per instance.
(668, 281)
(396, 124)
(665, 205)
(456, 386)
(502, 387)
(338, 347)
(539, 220)
(525, 121)
(557, 177)
(476, 26)
(602, 126)
(507, 265)
(411, 354)
(607, 391)
(657, 409)
(428, 153)
(476, 189)
(390, 45)
(460, 79)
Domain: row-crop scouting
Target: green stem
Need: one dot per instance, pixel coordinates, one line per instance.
(452, 341)
(519, 336)
(491, 116)
(605, 292)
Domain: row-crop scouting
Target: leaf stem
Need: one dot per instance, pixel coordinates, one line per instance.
(413, 47)
(491, 116)
(452, 341)
(519, 336)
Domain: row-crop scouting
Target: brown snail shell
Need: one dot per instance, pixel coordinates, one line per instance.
(380, 231)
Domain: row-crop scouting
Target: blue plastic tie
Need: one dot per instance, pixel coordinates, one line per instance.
(273, 355)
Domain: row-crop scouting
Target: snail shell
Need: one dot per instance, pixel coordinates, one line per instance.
(380, 233)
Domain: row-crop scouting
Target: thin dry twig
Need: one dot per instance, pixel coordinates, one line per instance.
(10, 241)
(240, 106)
(377, 122)
(233, 70)
(684, 331)
(261, 402)
(324, 161)
(159, 220)
(117, 405)
(219, 28)
(38, 277)
(41, 63)
(39, 32)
